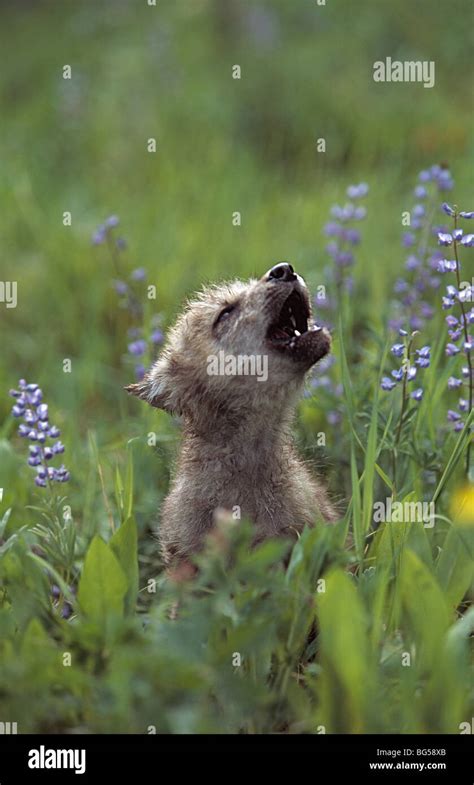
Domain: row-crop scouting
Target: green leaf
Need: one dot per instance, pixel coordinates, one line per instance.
(369, 468)
(4, 521)
(345, 679)
(128, 500)
(103, 583)
(424, 607)
(118, 486)
(124, 546)
(356, 507)
(455, 566)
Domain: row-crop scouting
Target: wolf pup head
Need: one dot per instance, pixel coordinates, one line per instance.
(237, 346)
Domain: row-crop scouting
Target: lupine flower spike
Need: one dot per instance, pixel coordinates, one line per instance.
(37, 428)
(142, 343)
(413, 290)
(458, 299)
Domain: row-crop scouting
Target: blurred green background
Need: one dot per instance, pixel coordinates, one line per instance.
(223, 145)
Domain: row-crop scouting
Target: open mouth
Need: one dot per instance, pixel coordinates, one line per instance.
(292, 322)
(293, 333)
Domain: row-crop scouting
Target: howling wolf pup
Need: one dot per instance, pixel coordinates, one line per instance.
(233, 368)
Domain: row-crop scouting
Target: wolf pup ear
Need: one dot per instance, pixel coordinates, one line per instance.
(142, 390)
(155, 390)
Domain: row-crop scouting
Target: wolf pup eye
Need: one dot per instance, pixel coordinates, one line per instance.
(224, 314)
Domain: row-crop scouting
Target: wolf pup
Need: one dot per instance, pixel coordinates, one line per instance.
(233, 367)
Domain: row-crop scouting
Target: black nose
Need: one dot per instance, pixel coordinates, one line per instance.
(283, 271)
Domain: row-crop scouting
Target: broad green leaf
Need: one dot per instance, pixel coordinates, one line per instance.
(346, 677)
(103, 583)
(424, 607)
(455, 565)
(124, 546)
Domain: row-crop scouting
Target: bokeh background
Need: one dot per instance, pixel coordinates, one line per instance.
(223, 145)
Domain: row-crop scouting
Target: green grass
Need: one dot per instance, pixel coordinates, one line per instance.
(367, 637)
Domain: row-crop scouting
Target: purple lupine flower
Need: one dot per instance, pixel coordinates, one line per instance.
(111, 222)
(453, 416)
(444, 238)
(103, 230)
(99, 236)
(344, 258)
(333, 417)
(139, 274)
(464, 214)
(66, 610)
(412, 263)
(447, 209)
(345, 236)
(333, 229)
(352, 236)
(120, 287)
(360, 213)
(40, 451)
(407, 371)
(426, 310)
(447, 302)
(420, 192)
(418, 211)
(423, 359)
(465, 294)
(398, 349)
(447, 266)
(411, 302)
(137, 348)
(357, 191)
(442, 177)
(458, 325)
(452, 349)
(139, 345)
(401, 286)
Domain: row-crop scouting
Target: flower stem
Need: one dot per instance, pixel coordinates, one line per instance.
(403, 407)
